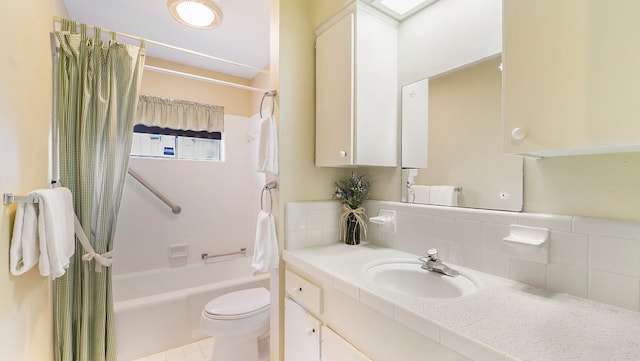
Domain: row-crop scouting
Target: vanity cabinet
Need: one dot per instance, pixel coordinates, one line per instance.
(301, 333)
(356, 90)
(301, 327)
(570, 77)
(336, 348)
(306, 336)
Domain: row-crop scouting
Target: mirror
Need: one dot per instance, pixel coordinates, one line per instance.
(451, 108)
(465, 142)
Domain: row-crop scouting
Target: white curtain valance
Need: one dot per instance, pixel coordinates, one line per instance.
(179, 114)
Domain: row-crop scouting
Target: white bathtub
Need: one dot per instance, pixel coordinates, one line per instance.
(160, 309)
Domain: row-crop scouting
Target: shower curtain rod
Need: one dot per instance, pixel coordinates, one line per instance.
(203, 78)
(58, 20)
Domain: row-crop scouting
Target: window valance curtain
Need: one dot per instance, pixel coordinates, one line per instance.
(179, 114)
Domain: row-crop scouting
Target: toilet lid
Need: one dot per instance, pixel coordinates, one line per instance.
(239, 303)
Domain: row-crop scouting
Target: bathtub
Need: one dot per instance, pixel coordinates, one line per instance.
(160, 309)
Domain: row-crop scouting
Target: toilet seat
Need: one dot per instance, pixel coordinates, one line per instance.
(238, 304)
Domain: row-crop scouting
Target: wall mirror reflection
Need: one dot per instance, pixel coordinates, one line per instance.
(465, 165)
(451, 108)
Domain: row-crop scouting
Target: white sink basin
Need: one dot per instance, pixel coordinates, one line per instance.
(405, 276)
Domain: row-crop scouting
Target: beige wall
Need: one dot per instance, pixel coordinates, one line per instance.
(295, 77)
(25, 108)
(602, 186)
(235, 101)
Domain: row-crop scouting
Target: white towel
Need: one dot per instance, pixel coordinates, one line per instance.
(265, 254)
(420, 193)
(443, 195)
(55, 230)
(268, 146)
(24, 251)
(46, 234)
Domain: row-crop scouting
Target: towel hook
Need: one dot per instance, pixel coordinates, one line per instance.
(272, 94)
(268, 187)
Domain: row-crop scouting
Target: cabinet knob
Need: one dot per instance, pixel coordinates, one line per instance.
(518, 133)
(342, 154)
(310, 331)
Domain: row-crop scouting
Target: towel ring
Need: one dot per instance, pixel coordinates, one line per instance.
(268, 187)
(272, 94)
(270, 199)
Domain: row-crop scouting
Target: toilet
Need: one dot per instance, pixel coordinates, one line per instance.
(236, 320)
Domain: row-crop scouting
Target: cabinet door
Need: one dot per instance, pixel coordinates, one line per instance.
(335, 348)
(376, 78)
(335, 94)
(571, 76)
(301, 333)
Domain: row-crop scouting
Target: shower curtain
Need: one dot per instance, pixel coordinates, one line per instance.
(97, 95)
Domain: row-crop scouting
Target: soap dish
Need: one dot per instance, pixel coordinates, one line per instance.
(527, 243)
(386, 219)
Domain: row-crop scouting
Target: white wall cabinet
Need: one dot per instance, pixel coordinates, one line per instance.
(570, 77)
(356, 90)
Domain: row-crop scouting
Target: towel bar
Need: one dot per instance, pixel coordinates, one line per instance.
(10, 198)
(206, 256)
(457, 189)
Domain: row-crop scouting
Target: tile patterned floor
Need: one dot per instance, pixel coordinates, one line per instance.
(197, 351)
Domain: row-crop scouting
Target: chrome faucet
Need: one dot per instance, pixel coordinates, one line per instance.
(432, 263)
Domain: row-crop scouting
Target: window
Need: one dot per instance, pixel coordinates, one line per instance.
(159, 142)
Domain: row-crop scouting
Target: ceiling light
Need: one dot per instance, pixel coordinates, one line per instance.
(199, 14)
(401, 6)
(401, 9)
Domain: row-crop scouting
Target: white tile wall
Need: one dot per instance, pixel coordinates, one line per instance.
(592, 258)
(311, 224)
(220, 202)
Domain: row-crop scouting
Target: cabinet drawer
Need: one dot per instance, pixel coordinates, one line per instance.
(303, 291)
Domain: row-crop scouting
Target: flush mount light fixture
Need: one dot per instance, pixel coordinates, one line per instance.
(199, 14)
(401, 9)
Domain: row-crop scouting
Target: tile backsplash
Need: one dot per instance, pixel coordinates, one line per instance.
(592, 258)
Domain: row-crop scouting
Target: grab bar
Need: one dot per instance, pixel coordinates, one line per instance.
(174, 208)
(205, 256)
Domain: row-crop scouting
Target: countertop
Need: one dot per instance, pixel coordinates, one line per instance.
(503, 320)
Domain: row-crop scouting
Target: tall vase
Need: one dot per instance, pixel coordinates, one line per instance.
(353, 230)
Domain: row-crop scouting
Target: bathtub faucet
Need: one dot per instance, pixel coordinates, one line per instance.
(433, 264)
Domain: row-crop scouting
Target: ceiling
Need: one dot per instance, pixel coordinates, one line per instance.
(242, 37)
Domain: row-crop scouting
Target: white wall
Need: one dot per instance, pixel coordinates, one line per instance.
(219, 201)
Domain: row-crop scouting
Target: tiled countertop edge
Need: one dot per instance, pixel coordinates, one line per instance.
(437, 332)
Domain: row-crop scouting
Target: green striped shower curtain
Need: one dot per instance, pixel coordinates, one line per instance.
(97, 94)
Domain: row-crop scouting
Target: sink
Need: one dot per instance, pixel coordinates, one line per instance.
(405, 276)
